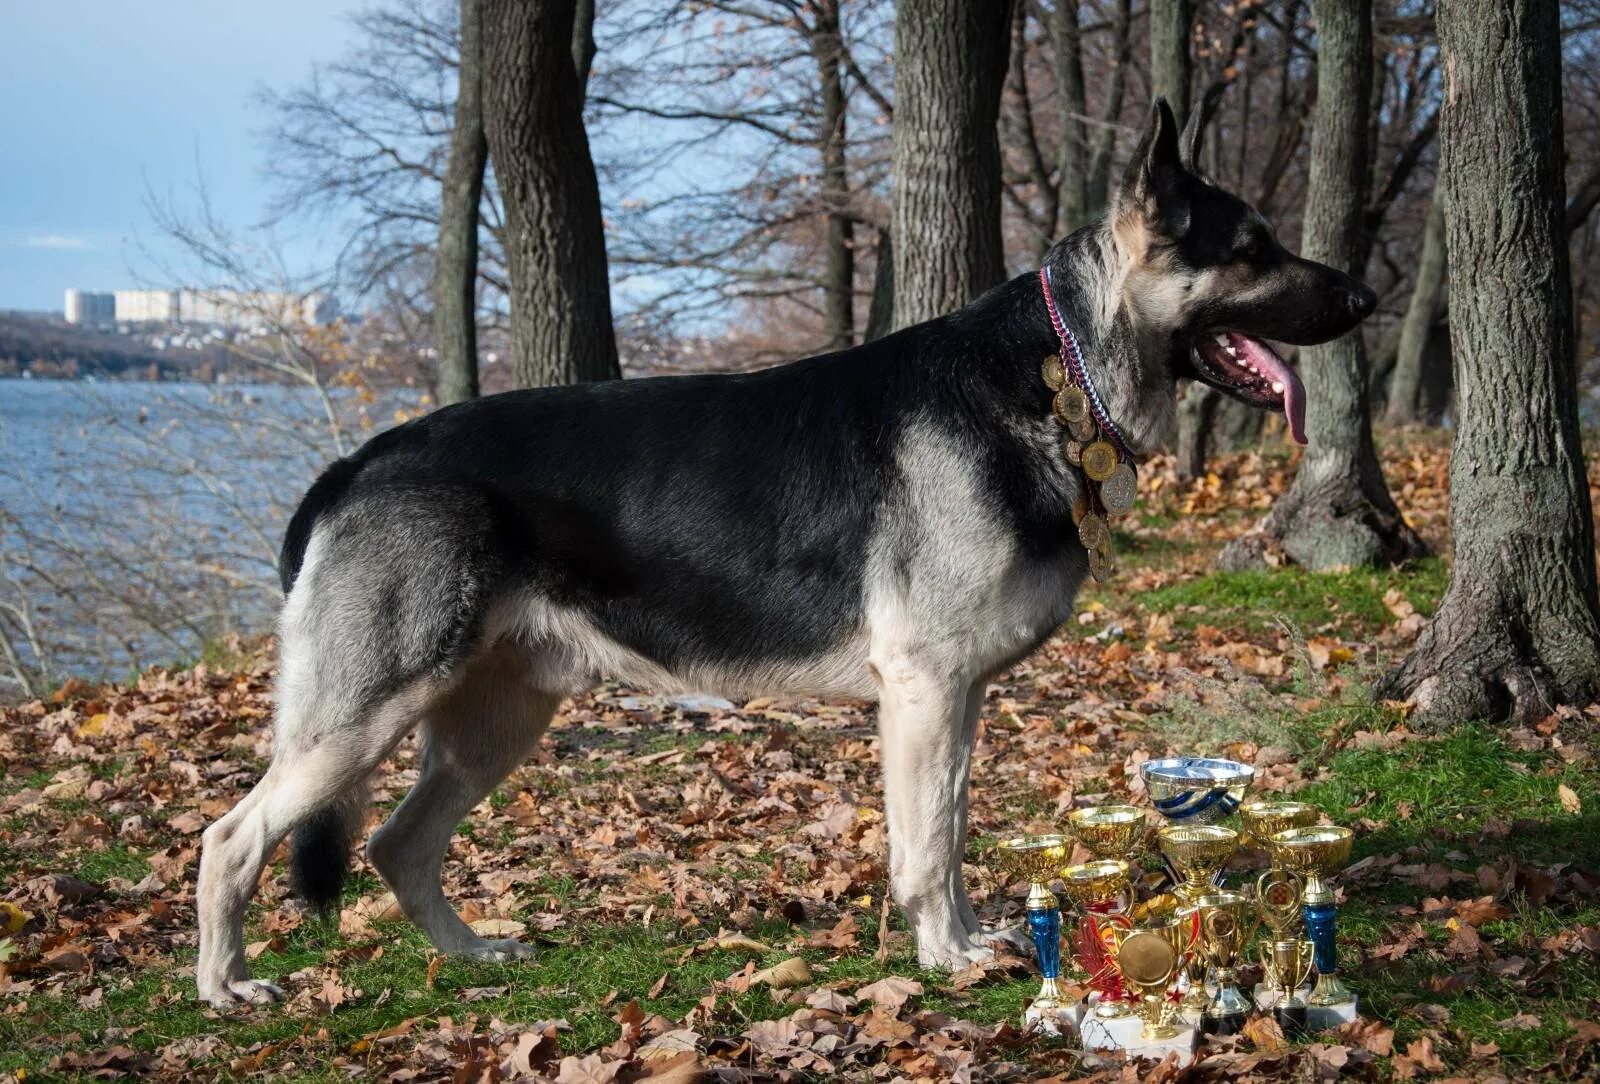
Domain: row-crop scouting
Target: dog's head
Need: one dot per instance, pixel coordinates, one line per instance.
(1204, 280)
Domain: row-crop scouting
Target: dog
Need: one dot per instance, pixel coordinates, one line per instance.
(889, 522)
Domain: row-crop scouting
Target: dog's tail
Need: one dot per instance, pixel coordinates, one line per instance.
(319, 854)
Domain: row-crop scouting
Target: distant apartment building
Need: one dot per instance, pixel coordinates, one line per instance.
(91, 309)
(246, 310)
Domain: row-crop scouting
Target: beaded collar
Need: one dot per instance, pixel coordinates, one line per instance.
(1095, 445)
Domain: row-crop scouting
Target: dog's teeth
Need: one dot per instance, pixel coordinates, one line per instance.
(1277, 386)
(1222, 340)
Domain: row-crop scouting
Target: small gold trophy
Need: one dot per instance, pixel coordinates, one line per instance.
(1150, 958)
(1108, 831)
(1198, 852)
(1036, 859)
(1285, 957)
(1264, 819)
(1224, 932)
(1100, 889)
(1315, 853)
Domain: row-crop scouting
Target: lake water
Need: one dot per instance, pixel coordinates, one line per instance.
(138, 520)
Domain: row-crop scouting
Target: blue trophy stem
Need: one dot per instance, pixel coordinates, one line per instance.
(1321, 926)
(1044, 925)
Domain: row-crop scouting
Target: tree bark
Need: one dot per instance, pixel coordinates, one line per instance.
(839, 274)
(1427, 299)
(1338, 513)
(1098, 195)
(1171, 68)
(561, 329)
(950, 65)
(1072, 153)
(1518, 631)
(583, 40)
(455, 277)
(880, 315)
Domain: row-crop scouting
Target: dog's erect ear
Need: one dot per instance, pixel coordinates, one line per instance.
(1194, 129)
(1153, 196)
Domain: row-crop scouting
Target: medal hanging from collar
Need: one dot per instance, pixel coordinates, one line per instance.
(1094, 445)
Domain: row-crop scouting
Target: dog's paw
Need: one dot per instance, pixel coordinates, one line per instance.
(226, 995)
(1012, 937)
(953, 955)
(500, 952)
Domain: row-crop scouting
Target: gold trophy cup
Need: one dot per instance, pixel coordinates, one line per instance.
(1036, 860)
(1315, 853)
(1198, 852)
(1108, 831)
(1101, 891)
(1264, 819)
(1288, 965)
(1224, 932)
(1150, 958)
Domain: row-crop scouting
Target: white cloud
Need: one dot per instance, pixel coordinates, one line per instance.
(57, 241)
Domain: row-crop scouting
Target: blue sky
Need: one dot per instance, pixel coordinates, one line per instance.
(104, 101)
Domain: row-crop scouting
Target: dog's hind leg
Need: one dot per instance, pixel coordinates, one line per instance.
(315, 763)
(472, 740)
(923, 723)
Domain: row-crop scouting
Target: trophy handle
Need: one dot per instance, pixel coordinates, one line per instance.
(1308, 950)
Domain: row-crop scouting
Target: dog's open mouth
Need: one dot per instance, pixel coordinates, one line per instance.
(1250, 371)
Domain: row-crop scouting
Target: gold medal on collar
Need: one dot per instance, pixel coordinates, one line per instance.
(1080, 508)
(1073, 450)
(1083, 430)
(1054, 373)
(1071, 405)
(1099, 460)
(1120, 490)
(1100, 566)
(1093, 532)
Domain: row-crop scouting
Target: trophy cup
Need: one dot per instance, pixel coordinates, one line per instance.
(1149, 959)
(1036, 859)
(1198, 852)
(1100, 889)
(1223, 936)
(1195, 790)
(1315, 853)
(1108, 831)
(1285, 957)
(1264, 819)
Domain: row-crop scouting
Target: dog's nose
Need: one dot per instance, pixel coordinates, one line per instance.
(1360, 301)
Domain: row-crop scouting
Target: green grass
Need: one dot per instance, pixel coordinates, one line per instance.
(1311, 601)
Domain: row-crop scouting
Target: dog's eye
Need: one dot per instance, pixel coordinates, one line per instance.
(1249, 250)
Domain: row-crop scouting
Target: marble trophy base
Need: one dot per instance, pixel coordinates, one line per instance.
(1318, 1017)
(1125, 1034)
(1061, 1019)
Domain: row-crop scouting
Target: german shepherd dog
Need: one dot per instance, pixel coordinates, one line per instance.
(891, 522)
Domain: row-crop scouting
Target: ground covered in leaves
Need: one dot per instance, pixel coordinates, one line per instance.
(705, 883)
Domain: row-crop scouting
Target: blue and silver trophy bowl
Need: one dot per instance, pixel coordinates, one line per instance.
(1196, 790)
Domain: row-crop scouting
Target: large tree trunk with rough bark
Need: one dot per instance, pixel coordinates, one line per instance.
(1338, 513)
(1171, 65)
(455, 277)
(839, 271)
(561, 329)
(1518, 631)
(950, 65)
(1427, 299)
(1072, 153)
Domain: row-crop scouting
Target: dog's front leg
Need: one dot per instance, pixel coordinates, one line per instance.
(923, 726)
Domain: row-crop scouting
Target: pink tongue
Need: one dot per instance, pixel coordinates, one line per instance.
(1271, 366)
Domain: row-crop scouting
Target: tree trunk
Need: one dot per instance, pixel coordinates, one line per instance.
(839, 274)
(1171, 27)
(1518, 631)
(1338, 513)
(1072, 153)
(583, 40)
(455, 276)
(880, 315)
(555, 242)
(1098, 191)
(1197, 409)
(950, 65)
(1427, 297)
